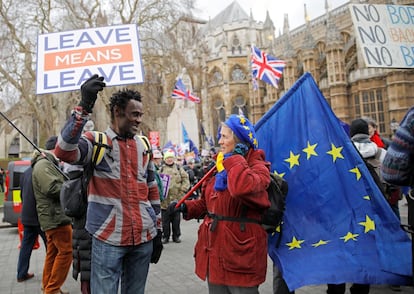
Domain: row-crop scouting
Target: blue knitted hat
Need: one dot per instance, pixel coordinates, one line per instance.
(243, 129)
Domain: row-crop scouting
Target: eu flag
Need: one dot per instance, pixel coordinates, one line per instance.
(337, 225)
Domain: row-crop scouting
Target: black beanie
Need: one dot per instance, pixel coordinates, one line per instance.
(51, 143)
(358, 126)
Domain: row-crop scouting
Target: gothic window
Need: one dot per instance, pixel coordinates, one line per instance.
(237, 74)
(236, 41)
(371, 104)
(218, 103)
(235, 44)
(222, 114)
(219, 106)
(239, 106)
(217, 77)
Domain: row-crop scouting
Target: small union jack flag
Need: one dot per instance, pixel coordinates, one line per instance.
(181, 92)
(265, 67)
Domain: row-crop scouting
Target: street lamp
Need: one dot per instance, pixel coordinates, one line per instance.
(394, 125)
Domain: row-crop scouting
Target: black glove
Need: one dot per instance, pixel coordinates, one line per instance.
(89, 92)
(241, 149)
(182, 208)
(156, 247)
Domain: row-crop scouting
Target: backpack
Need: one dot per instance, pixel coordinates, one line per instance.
(376, 175)
(272, 216)
(73, 194)
(277, 192)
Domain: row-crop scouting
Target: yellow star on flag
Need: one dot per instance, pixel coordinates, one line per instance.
(310, 150)
(369, 224)
(335, 152)
(242, 119)
(320, 243)
(356, 171)
(366, 197)
(295, 243)
(280, 175)
(293, 159)
(276, 230)
(349, 236)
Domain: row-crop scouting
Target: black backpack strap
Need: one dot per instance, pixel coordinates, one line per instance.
(98, 152)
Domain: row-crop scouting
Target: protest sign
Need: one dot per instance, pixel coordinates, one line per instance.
(66, 59)
(154, 138)
(385, 34)
(165, 179)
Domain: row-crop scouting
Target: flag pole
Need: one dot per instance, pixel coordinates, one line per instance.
(33, 144)
(196, 186)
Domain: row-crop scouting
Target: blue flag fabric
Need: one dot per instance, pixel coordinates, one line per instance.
(185, 134)
(337, 225)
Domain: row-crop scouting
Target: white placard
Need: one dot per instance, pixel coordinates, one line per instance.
(385, 34)
(66, 59)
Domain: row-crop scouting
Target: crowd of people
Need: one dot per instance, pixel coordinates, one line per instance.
(132, 210)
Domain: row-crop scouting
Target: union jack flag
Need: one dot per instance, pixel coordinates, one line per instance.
(266, 67)
(181, 92)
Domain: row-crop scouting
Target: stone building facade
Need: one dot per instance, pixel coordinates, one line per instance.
(217, 62)
(326, 47)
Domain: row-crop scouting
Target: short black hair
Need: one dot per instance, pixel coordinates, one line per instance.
(121, 99)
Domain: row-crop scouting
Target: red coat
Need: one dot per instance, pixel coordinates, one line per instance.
(377, 140)
(227, 255)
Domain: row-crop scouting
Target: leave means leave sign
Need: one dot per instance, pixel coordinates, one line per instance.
(66, 59)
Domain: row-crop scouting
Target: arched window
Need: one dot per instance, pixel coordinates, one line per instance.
(237, 74)
(239, 106)
(221, 112)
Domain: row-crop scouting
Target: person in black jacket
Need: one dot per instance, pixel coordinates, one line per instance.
(81, 239)
(31, 229)
(194, 175)
(81, 242)
(82, 245)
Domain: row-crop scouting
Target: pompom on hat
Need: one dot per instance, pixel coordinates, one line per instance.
(243, 129)
(168, 154)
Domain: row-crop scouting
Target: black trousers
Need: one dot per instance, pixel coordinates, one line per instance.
(340, 289)
(410, 201)
(279, 284)
(170, 221)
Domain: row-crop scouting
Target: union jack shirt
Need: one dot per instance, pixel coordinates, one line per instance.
(266, 67)
(123, 200)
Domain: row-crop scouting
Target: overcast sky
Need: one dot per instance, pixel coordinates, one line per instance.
(276, 8)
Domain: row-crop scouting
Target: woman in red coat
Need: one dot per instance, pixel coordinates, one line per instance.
(231, 251)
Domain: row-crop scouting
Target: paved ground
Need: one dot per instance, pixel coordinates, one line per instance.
(173, 274)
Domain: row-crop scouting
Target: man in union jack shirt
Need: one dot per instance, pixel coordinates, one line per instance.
(123, 216)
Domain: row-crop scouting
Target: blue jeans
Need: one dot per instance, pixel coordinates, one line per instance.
(112, 263)
(30, 233)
